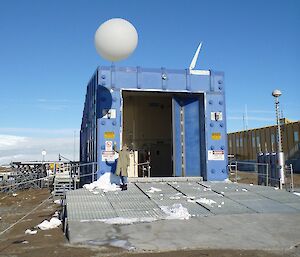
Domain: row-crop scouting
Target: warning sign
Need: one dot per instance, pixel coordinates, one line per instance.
(108, 146)
(216, 116)
(108, 156)
(109, 113)
(109, 135)
(216, 136)
(216, 155)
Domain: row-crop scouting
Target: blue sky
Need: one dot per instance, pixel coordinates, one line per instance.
(47, 56)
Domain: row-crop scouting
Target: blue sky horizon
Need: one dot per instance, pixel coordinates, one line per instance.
(47, 56)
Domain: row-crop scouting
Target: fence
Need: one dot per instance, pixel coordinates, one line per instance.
(78, 174)
(260, 174)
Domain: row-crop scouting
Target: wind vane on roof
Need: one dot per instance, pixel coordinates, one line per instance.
(193, 63)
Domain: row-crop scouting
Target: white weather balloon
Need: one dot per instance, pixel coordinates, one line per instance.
(116, 39)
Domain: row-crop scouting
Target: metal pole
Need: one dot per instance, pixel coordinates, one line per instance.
(267, 179)
(236, 171)
(292, 178)
(279, 146)
(93, 170)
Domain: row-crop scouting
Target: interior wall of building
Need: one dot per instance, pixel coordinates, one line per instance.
(147, 126)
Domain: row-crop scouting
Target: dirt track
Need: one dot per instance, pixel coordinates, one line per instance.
(53, 242)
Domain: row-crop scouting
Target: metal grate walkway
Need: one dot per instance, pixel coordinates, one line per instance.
(143, 200)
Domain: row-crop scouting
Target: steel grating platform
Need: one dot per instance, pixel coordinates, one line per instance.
(200, 199)
(143, 201)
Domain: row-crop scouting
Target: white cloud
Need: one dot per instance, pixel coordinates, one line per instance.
(10, 141)
(40, 131)
(19, 148)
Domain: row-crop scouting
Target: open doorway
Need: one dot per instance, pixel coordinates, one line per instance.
(147, 129)
(165, 129)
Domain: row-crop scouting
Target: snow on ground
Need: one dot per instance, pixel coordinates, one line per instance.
(53, 223)
(296, 193)
(58, 201)
(56, 214)
(30, 232)
(122, 221)
(107, 182)
(205, 201)
(174, 197)
(176, 211)
(153, 190)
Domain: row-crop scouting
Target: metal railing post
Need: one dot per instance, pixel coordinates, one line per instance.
(236, 171)
(149, 170)
(93, 171)
(292, 178)
(267, 175)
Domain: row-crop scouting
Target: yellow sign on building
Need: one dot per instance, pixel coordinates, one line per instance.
(109, 135)
(216, 136)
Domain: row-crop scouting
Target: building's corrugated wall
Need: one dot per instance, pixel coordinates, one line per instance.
(88, 135)
(245, 145)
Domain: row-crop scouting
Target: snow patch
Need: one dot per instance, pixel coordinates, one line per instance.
(14, 194)
(153, 190)
(56, 214)
(176, 211)
(227, 180)
(296, 193)
(53, 223)
(58, 201)
(30, 232)
(122, 221)
(244, 189)
(174, 197)
(107, 182)
(206, 201)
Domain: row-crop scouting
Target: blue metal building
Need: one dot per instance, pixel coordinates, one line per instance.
(176, 115)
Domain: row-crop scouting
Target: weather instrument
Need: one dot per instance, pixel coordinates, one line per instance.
(116, 39)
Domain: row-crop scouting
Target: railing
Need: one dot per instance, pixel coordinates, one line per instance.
(289, 178)
(260, 174)
(144, 167)
(20, 179)
(15, 184)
